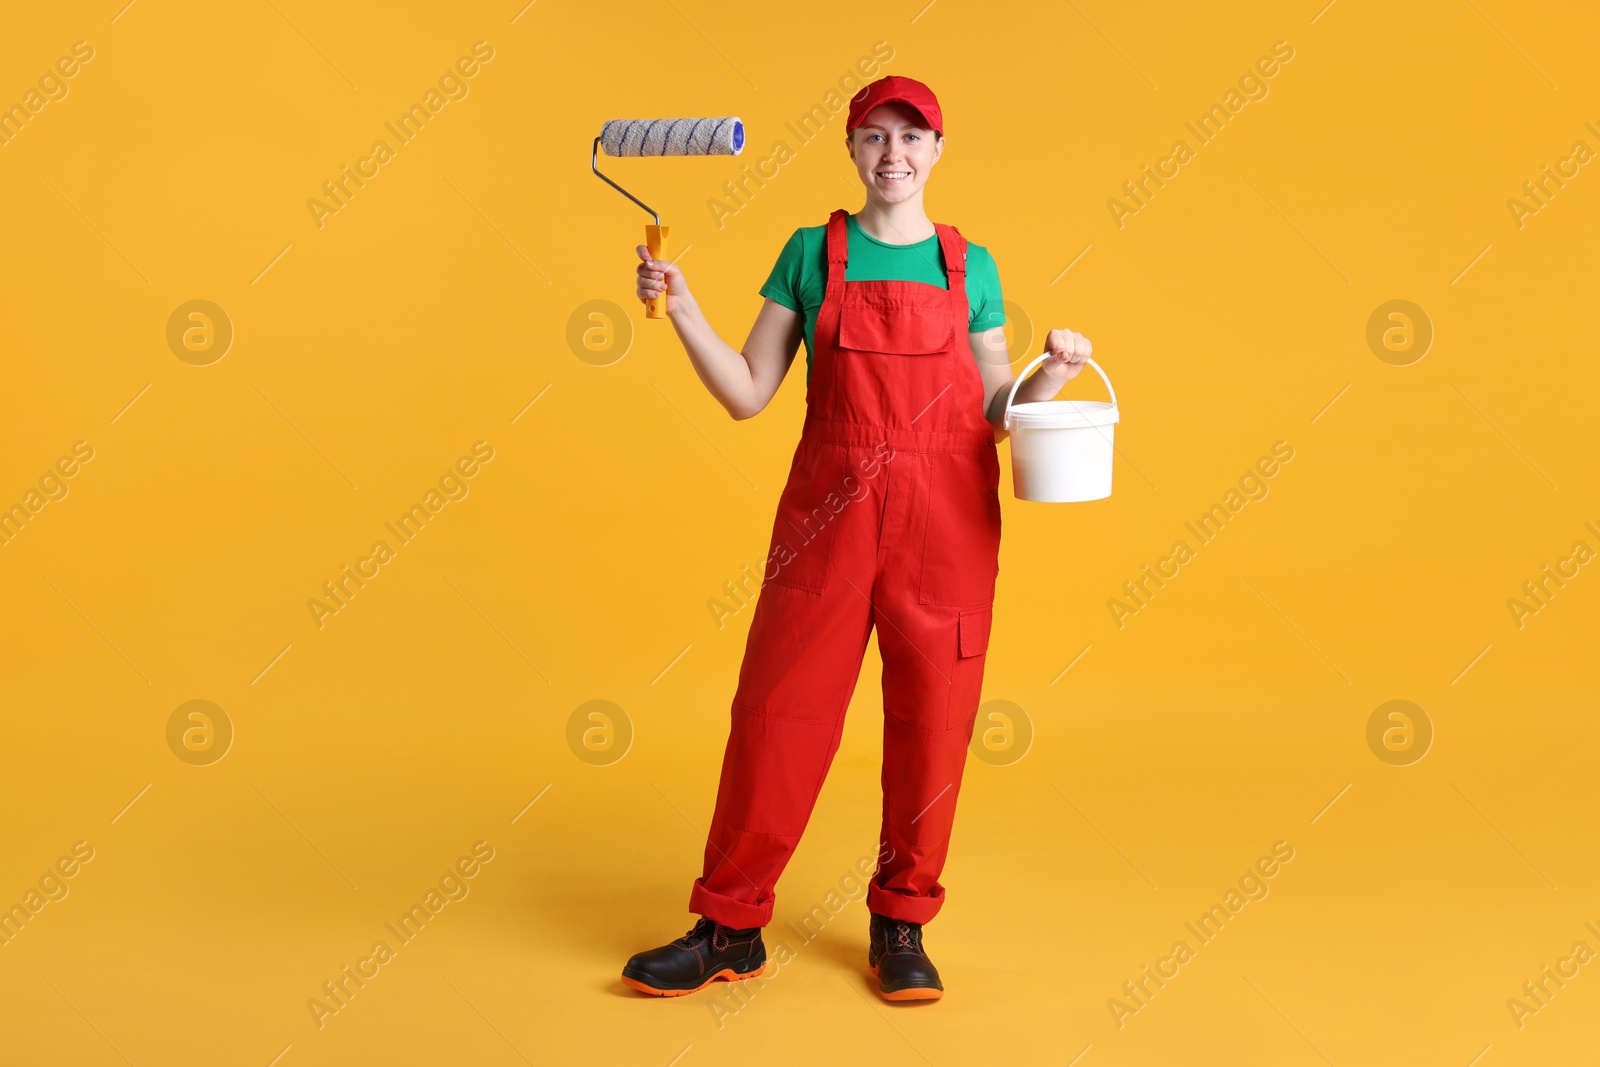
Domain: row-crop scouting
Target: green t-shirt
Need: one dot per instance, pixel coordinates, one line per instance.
(799, 280)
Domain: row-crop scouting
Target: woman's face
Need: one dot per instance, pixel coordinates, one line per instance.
(894, 152)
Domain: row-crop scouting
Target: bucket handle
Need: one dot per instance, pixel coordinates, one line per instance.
(1040, 359)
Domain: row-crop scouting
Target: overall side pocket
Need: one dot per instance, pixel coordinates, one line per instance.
(961, 550)
(972, 648)
(803, 529)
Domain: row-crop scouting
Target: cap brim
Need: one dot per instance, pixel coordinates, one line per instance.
(904, 102)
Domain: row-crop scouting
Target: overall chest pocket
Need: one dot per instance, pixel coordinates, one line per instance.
(897, 327)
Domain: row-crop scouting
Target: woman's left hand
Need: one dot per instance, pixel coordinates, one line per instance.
(1067, 351)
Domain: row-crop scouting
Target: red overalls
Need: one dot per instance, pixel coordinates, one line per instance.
(891, 516)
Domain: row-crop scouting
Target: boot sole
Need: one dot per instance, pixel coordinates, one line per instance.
(727, 974)
(909, 993)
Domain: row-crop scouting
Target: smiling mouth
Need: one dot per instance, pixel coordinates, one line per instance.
(892, 176)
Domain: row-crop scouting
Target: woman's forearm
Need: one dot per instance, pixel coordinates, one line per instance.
(1042, 384)
(723, 368)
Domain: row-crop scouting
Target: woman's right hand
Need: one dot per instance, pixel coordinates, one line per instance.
(657, 276)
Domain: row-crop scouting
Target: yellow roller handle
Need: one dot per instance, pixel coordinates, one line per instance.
(655, 239)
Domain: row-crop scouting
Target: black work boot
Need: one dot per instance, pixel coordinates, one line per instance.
(707, 952)
(904, 971)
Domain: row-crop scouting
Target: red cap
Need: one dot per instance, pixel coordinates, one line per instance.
(895, 89)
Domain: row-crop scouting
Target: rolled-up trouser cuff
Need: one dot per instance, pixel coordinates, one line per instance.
(738, 914)
(901, 906)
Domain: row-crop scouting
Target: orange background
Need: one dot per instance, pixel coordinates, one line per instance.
(432, 711)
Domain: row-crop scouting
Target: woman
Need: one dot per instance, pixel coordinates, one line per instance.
(891, 517)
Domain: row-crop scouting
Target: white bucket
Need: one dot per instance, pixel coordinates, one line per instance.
(1061, 449)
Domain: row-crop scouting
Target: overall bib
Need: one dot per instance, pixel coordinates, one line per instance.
(891, 517)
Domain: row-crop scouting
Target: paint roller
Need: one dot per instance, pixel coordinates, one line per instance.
(664, 137)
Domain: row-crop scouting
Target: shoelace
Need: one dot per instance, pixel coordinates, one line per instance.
(703, 930)
(904, 935)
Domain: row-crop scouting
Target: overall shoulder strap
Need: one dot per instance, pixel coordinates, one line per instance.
(838, 250)
(954, 247)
